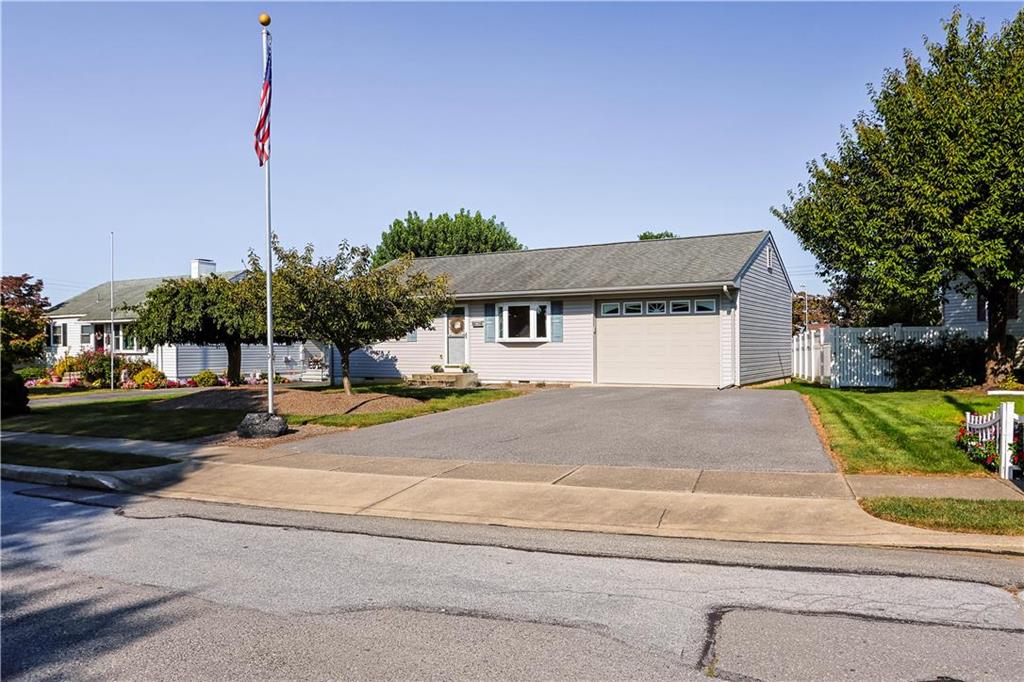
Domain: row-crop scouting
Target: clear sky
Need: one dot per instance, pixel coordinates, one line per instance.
(573, 123)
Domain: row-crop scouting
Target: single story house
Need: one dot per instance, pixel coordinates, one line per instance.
(83, 323)
(709, 311)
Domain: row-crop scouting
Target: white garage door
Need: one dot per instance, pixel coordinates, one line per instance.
(680, 349)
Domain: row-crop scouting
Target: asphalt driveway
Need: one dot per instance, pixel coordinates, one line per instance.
(744, 430)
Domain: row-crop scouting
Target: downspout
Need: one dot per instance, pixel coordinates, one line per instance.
(725, 292)
(735, 335)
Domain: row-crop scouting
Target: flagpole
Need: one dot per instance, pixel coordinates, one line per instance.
(112, 341)
(270, 249)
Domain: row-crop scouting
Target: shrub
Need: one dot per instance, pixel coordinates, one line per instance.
(13, 394)
(206, 378)
(132, 366)
(150, 378)
(95, 366)
(32, 373)
(948, 360)
(68, 363)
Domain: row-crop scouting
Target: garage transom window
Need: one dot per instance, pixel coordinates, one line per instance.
(523, 321)
(705, 305)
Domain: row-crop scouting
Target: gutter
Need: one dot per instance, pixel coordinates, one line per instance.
(597, 290)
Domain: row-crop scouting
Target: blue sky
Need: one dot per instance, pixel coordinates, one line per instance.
(573, 123)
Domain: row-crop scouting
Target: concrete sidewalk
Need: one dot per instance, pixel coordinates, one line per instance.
(751, 506)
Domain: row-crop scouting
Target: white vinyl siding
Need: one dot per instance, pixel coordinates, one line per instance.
(960, 312)
(394, 359)
(727, 340)
(570, 360)
(765, 321)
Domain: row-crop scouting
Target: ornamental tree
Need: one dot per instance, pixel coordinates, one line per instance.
(211, 310)
(926, 190)
(22, 318)
(343, 299)
(443, 235)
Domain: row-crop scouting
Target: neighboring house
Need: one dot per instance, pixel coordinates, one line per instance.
(969, 313)
(711, 311)
(83, 323)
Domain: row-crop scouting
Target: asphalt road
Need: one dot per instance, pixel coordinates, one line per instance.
(90, 593)
(738, 430)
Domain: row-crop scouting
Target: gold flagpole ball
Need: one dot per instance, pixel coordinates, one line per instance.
(265, 19)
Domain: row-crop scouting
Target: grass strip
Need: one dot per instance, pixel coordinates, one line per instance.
(992, 517)
(434, 400)
(77, 459)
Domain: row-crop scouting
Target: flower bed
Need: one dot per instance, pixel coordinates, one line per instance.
(986, 452)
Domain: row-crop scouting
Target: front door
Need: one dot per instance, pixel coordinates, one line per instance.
(456, 334)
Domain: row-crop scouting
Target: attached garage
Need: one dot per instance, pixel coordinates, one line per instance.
(658, 341)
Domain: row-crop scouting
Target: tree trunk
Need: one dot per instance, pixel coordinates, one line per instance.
(345, 380)
(234, 361)
(998, 363)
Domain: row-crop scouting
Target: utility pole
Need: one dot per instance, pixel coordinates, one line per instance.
(806, 310)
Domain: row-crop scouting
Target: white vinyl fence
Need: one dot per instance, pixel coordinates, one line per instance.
(841, 357)
(999, 425)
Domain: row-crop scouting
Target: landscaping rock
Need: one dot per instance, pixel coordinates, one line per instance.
(262, 425)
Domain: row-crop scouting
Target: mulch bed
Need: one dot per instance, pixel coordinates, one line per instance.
(294, 433)
(288, 401)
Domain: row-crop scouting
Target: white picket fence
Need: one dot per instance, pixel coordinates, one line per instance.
(999, 425)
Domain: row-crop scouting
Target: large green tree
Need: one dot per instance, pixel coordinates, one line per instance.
(443, 235)
(22, 318)
(926, 190)
(212, 310)
(343, 299)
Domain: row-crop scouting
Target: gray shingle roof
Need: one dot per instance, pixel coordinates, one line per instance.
(684, 261)
(94, 303)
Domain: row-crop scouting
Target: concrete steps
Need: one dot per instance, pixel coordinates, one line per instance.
(445, 379)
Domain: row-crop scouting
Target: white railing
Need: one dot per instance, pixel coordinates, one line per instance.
(812, 356)
(998, 425)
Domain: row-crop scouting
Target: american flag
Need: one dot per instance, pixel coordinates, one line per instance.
(263, 124)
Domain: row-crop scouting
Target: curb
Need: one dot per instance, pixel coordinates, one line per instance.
(125, 481)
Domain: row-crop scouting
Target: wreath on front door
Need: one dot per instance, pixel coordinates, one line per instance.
(456, 325)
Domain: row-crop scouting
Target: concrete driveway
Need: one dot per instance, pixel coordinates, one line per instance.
(743, 430)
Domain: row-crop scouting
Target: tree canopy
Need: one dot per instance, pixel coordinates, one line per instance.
(22, 318)
(211, 310)
(926, 190)
(649, 234)
(443, 235)
(343, 299)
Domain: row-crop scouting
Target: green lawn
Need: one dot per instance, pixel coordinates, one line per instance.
(995, 517)
(895, 432)
(433, 400)
(56, 391)
(133, 417)
(77, 460)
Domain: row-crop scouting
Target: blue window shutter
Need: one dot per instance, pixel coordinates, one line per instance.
(411, 336)
(488, 323)
(556, 321)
